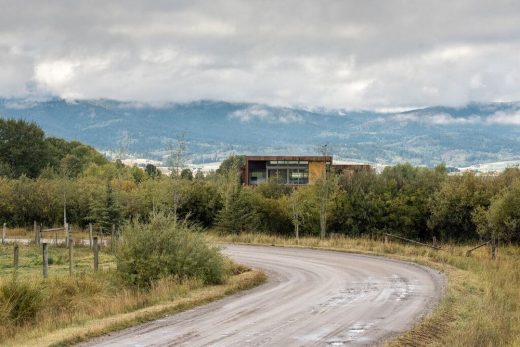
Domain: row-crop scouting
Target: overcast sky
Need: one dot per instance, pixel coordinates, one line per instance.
(340, 54)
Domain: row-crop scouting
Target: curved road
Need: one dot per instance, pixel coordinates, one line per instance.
(312, 298)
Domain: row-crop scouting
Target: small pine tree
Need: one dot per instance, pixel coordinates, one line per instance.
(106, 211)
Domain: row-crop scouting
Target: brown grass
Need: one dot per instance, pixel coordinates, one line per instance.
(481, 304)
(89, 304)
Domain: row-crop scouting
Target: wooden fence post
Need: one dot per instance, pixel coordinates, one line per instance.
(493, 248)
(4, 230)
(66, 227)
(113, 241)
(96, 254)
(434, 241)
(39, 235)
(71, 260)
(45, 260)
(16, 256)
(35, 232)
(386, 239)
(90, 234)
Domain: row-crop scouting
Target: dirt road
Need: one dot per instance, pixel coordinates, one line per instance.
(313, 298)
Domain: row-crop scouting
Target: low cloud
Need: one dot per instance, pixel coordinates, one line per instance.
(512, 118)
(261, 113)
(435, 119)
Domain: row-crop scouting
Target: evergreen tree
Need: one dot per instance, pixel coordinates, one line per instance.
(106, 211)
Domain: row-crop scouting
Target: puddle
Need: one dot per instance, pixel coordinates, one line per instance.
(350, 335)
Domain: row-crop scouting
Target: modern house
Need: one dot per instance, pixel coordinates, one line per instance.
(292, 170)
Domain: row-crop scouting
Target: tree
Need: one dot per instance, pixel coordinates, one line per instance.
(452, 206)
(199, 175)
(176, 155)
(124, 141)
(202, 203)
(241, 214)
(298, 208)
(179, 194)
(325, 187)
(325, 190)
(106, 211)
(501, 221)
(23, 150)
(228, 181)
(234, 162)
(71, 166)
(187, 174)
(138, 175)
(152, 171)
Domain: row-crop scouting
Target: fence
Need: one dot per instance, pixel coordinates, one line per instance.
(94, 242)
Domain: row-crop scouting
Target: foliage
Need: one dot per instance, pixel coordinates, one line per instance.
(187, 174)
(502, 219)
(453, 205)
(152, 171)
(413, 202)
(166, 248)
(241, 214)
(23, 150)
(232, 163)
(106, 211)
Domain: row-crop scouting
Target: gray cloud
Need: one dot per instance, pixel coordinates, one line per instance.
(348, 54)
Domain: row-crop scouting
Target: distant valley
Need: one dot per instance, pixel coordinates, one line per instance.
(465, 136)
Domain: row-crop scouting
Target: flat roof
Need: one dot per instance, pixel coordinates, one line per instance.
(289, 157)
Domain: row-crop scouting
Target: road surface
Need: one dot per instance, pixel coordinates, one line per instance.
(312, 298)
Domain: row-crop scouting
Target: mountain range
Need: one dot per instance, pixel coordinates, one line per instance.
(457, 136)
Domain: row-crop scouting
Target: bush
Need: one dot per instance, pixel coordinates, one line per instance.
(164, 248)
(20, 302)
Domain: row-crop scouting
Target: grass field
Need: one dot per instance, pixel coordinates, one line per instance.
(66, 309)
(481, 304)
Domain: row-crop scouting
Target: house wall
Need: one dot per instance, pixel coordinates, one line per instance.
(316, 170)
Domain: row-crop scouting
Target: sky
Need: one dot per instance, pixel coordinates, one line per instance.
(385, 55)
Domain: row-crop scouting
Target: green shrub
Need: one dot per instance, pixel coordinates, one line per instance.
(20, 301)
(167, 248)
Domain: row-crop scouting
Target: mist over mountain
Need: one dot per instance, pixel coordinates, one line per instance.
(462, 136)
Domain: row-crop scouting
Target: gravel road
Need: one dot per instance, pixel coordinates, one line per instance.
(312, 298)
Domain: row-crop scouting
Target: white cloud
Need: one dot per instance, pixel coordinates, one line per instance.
(435, 119)
(257, 112)
(512, 118)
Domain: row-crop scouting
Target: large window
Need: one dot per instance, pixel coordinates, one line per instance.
(298, 176)
(292, 172)
(278, 174)
(257, 176)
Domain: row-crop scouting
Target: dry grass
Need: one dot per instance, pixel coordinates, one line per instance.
(481, 305)
(89, 304)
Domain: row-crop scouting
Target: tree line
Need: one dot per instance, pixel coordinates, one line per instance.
(413, 202)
